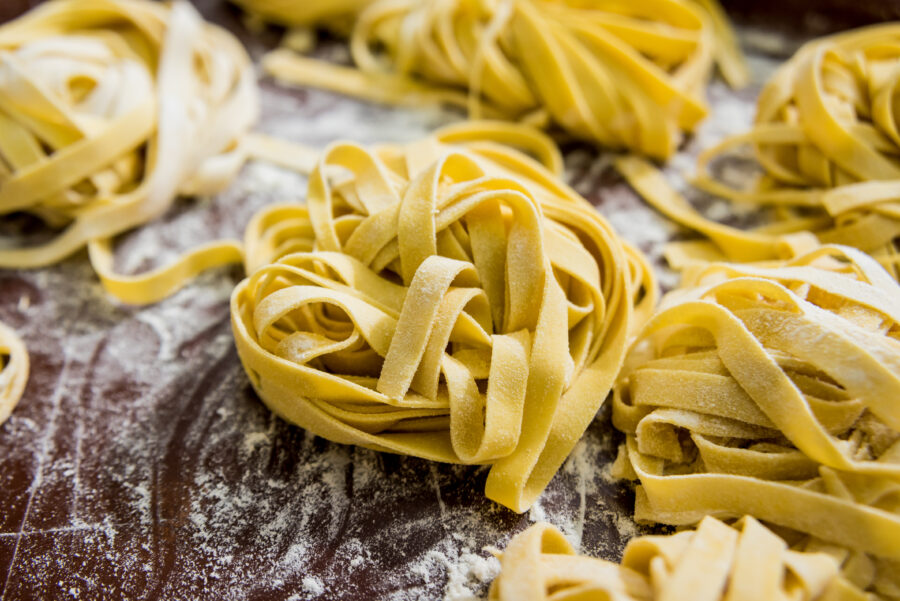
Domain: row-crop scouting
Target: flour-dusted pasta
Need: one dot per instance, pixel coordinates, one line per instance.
(108, 110)
(448, 299)
(827, 143)
(13, 371)
(773, 392)
(742, 562)
(622, 74)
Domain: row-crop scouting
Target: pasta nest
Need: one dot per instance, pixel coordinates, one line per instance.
(449, 299)
(741, 562)
(13, 371)
(773, 392)
(622, 74)
(826, 149)
(108, 110)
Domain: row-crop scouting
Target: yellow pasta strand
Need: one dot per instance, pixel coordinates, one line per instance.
(108, 110)
(827, 143)
(448, 299)
(773, 392)
(622, 74)
(715, 562)
(13, 371)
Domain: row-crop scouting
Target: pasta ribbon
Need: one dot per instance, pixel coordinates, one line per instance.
(741, 562)
(13, 371)
(773, 392)
(827, 145)
(448, 299)
(108, 110)
(621, 74)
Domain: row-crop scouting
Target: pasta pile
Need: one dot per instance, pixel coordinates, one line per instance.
(622, 74)
(108, 110)
(449, 299)
(773, 392)
(827, 143)
(13, 371)
(743, 562)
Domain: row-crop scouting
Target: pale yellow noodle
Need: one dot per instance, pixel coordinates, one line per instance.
(109, 110)
(13, 371)
(827, 142)
(715, 562)
(448, 299)
(773, 392)
(622, 74)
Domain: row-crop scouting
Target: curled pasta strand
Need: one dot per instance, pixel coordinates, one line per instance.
(449, 299)
(108, 110)
(772, 392)
(827, 145)
(744, 561)
(13, 371)
(624, 75)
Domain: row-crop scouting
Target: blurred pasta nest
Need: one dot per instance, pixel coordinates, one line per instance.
(744, 561)
(623, 74)
(827, 145)
(773, 392)
(108, 110)
(14, 367)
(448, 299)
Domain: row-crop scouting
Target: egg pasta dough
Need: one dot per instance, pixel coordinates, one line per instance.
(448, 299)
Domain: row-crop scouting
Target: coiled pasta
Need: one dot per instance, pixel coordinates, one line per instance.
(773, 392)
(622, 74)
(449, 299)
(13, 371)
(827, 144)
(741, 562)
(108, 110)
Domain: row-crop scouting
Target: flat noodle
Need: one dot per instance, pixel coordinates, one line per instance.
(448, 299)
(108, 110)
(716, 562)
(773, 392)
(622, 74)
(827, 143)
(13, 371)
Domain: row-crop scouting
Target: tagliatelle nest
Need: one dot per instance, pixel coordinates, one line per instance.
(773, 392)
(13, 371)
(742, 562)
(826, 144)
(108, 110)
(622, 74)
(449, 299)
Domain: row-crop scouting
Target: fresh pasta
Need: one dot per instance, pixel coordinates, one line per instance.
(448, 299)
(108, 110)
(741, 562)
(773, 392)
(13, 371)
(622, 74)
(827, 145)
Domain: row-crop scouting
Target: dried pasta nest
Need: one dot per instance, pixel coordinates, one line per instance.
(773, 392)
(623, 74)
(108, 110)
(13, 371)
(741, 562)
(825, 149)
(449, 299)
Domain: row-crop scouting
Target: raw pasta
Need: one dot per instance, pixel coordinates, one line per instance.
(448, 299)
(773, 392)
(13, 371)
(742, 562)
(827, 143)
(108, 110)
(622, 74)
